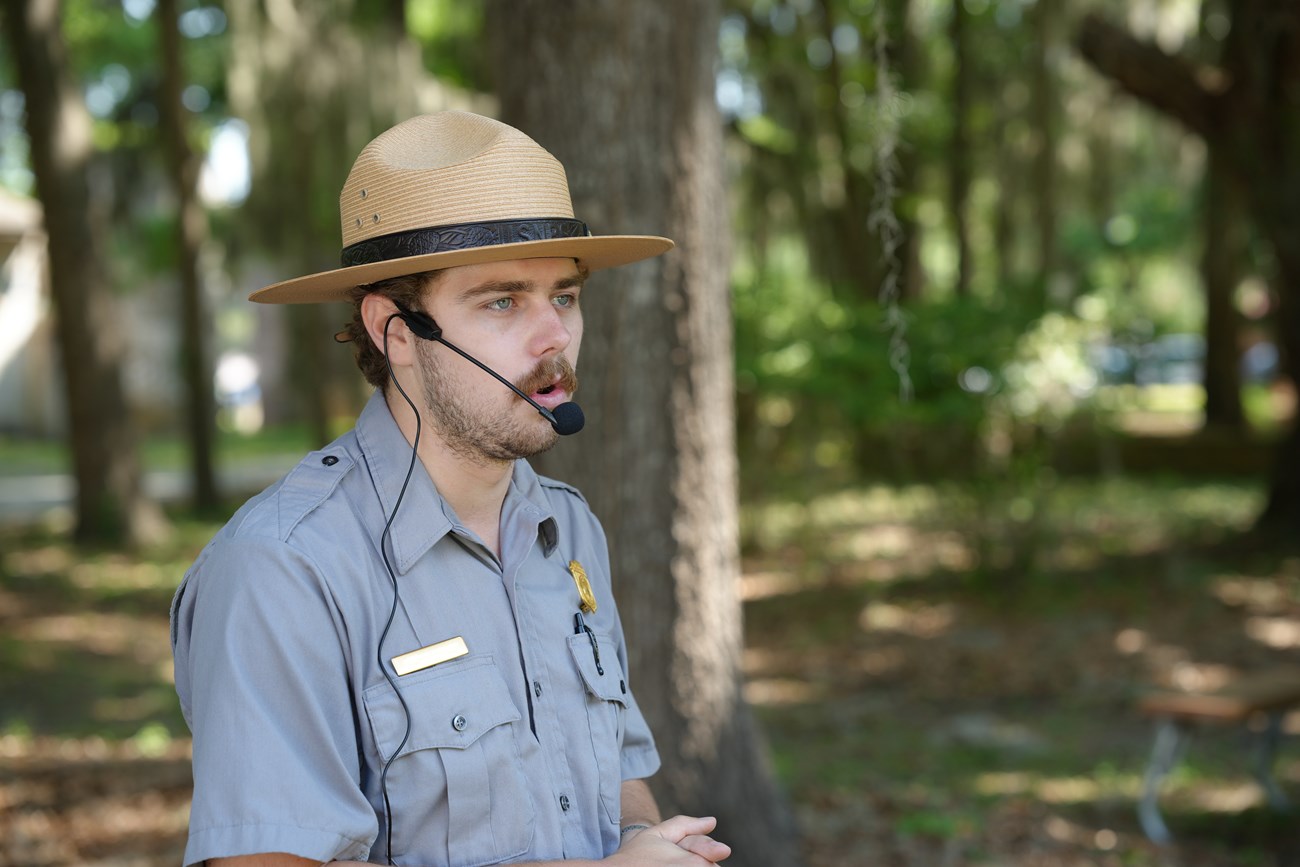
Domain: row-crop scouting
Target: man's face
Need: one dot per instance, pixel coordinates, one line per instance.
(520, 318)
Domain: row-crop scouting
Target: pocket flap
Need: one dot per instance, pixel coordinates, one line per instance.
(612, 685)
(448, 709)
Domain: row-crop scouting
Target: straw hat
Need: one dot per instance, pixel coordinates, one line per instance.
(455, 188)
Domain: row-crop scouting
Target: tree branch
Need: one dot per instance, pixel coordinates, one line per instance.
(1167, 83)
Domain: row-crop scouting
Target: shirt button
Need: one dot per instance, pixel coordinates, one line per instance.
(459, 722)
(537, 688)
(564, 803)
(329, 460)
(622, 684)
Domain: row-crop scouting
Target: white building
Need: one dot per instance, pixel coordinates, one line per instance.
(30, 403)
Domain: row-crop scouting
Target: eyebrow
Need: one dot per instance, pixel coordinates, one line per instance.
(509, 287)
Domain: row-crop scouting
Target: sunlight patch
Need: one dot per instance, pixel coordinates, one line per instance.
(925, 621)
(1278, 632)
(779, 691)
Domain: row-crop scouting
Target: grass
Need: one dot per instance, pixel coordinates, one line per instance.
(26, 456)
(958, 672)
(944, 675)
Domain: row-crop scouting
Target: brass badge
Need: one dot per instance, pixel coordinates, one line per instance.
(588, 604)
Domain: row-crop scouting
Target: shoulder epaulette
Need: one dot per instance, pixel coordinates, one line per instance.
(556, 485)
(309, 484)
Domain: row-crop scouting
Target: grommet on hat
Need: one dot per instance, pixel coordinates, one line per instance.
(455, 188)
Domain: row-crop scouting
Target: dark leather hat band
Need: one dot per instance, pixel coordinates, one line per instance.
(464, 236)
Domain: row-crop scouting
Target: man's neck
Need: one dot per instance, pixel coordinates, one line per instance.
(475, 488)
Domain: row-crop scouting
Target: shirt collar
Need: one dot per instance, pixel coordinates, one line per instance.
(424, 516)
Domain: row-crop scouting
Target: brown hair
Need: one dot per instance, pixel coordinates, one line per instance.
(406, 291)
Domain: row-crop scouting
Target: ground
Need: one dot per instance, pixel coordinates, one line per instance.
(946, 676)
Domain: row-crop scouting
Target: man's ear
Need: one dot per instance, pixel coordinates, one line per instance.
(376, 311)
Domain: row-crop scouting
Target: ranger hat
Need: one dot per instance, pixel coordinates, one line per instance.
(455, 188)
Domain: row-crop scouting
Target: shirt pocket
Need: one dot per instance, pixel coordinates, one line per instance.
(457, 787)
(606, 712)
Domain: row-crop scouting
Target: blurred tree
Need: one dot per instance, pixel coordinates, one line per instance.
(110, 503)
(1223, 253)
(909, 59)
(1046, 97)
(315, 81)
(1249, 109)
(623, 94)
(959, 142)
(191, 230)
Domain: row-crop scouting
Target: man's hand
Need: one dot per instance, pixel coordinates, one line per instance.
(682, 841)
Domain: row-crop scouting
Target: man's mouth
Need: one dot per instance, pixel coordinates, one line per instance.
(555, 380)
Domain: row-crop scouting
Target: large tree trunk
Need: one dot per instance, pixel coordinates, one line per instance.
(191, 229)
(110, 505)
(622, 94)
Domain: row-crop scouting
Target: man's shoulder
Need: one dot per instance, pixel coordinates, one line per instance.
(562, 492)
(302, 497)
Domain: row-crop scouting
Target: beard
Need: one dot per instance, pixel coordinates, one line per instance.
(477, 430)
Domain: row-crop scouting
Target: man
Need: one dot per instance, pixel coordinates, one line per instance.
(407, 650)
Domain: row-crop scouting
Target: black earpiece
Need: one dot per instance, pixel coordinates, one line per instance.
(420, 323)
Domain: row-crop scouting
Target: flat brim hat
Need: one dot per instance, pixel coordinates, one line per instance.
(455, 188)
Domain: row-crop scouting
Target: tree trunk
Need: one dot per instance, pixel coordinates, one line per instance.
(1004, 221)
(623, 95)
(1046, 97)
(191, 229)
(110, 506)
(959, 144)
(1223, 252)
(912, 75)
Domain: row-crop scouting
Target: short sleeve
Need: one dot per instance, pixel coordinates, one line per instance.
(261, 668)
(639, 757)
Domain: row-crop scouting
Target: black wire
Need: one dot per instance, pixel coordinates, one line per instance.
(383, 550)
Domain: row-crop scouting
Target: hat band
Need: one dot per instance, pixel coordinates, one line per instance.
(462, 236)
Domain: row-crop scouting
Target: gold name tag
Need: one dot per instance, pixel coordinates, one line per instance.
(427, 657)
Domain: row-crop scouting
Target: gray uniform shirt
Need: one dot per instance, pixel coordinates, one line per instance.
(517, 750)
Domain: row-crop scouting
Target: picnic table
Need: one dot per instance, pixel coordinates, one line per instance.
(1263, 696)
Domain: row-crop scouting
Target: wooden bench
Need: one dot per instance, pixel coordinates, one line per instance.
(1265, 694)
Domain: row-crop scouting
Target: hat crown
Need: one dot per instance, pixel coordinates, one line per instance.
(447, 169)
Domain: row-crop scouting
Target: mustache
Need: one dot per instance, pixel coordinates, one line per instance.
(554, 371)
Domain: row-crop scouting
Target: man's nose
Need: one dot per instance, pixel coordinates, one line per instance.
(551, 333)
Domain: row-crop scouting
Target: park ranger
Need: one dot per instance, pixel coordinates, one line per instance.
(407, 650)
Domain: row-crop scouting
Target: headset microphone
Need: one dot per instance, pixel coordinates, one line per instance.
(566, 419)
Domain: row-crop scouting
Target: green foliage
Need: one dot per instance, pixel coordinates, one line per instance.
(450, 34)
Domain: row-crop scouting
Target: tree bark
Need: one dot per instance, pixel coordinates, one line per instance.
(623, 95)
(191, 230)
(110, 505)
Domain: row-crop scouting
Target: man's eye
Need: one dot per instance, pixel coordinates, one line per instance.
(501, 304)
(566, 300)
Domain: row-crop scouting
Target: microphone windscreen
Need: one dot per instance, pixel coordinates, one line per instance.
(568, 418)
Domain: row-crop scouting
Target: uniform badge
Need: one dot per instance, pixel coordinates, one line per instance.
(588, 604)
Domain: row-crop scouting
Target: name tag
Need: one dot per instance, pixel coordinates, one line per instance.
(427, 657)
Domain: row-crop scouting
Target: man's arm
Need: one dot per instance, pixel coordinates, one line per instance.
(682, 841)
(639, 807)
(641, 817)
